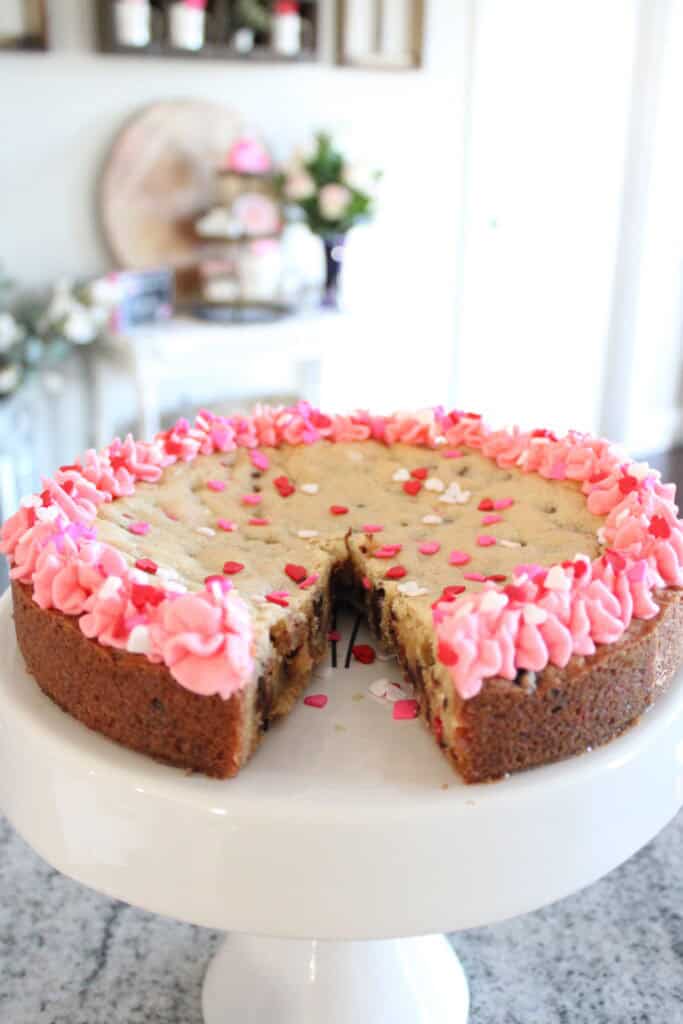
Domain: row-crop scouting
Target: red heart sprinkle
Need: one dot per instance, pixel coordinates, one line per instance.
(147, 565)
(580, 568)
(387, 551)
(403, 709)
(450, 592)
(338, 510)
(277, 597)
(627, 484)
(659, 527)
(284, 486)
(514, 592)
(363, 653)
(297, 573)
(396, 572)
(142, 594)
(231, 568)
(258, 521)
(485, 505)
(412, 487)
(315, 700)
(446, 654)
(497, 577)
(420, 473)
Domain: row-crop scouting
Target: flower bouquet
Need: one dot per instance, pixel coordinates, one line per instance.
(331, 196)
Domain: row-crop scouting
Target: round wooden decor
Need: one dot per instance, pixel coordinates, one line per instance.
(159, 175)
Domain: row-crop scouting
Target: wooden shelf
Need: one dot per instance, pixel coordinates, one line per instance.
(222, 22)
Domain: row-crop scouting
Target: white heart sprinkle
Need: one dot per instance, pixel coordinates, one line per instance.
(379, 688)
(206, 531)
(509, 543)
(454, 495)
(139, 640)
(410, 588)
(492, 601)
(557, 579)
(310, 488)
(533, 616)
(400, 475)
(307, 534)
(110, 587)
(432, 520)
(48, 514)
(433, 483)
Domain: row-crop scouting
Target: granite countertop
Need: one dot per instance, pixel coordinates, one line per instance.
(612, 954)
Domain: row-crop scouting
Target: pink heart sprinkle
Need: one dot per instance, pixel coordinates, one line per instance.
(316, 700)
(259, 460)
(403, 709)
(387, 551)
(371, 528)
(259, 521)
(459, 558)
(309, 581)
(429, 547)
(227, 524)
(216, 485)
(477, 577)
(251, 499)
(501, 503)
(485, 540)
(139, 528)
(490, 519)
(452, 453)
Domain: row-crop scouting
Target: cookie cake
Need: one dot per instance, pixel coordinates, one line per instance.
(176, 595)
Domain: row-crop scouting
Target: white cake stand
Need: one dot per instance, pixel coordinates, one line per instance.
(346, 826)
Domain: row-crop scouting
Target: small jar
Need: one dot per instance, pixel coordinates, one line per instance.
(286, 28)
(186, 24)
(132, 22)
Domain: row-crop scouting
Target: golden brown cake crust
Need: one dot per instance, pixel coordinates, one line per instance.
(506, 728)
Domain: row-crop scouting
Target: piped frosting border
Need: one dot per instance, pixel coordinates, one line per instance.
(547, 614)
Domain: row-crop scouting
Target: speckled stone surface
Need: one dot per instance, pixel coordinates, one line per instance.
(612, 954)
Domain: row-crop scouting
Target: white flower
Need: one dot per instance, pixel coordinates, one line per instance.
(106, 291)
(10, 332)
(299, 185)
(333, 201)
(79, 327)
(359, 177)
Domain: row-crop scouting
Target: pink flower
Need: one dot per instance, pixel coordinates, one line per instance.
(248, 156)
(333, 201)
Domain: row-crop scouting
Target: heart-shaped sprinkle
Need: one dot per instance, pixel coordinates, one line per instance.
(404, 709)
(459, 558)
(475, 577)
(279, 597)
(446, 654)
(258, 521)
(316, 700)
(206, 531)
(363, 653)
(396, 572)
(496, 577)
(412, 487)
(627, 484)
(309, 488)
(371, 528)
(284, 486)
(485, 505)
(297, 573)
(232, 568)
(338, 510)
(491, 519)
(501, 503)
(142, 594)
(216, 485)
(659, 527)
(485, 540)
(228, 525)
(259, 460)
(429, 547)
(387, 551)
(307, 534)
(411, 588)
(140, 529)
(453, 495)
(310, 581)
(452, 591)
(400, 475)
(452, 453)
(146, 565)
(509, 543)
(420, 473)
(435, 484)
(432, 520)
(251, 499)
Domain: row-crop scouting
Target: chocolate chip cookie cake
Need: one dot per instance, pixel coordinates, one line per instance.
(176, 595)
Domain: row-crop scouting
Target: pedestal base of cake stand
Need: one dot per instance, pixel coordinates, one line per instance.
(346, 825)
(290, 981)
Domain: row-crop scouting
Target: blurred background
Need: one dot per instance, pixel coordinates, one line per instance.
(359, 203)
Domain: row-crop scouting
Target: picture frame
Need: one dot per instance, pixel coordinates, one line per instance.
(380, 34)
(23, 26)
